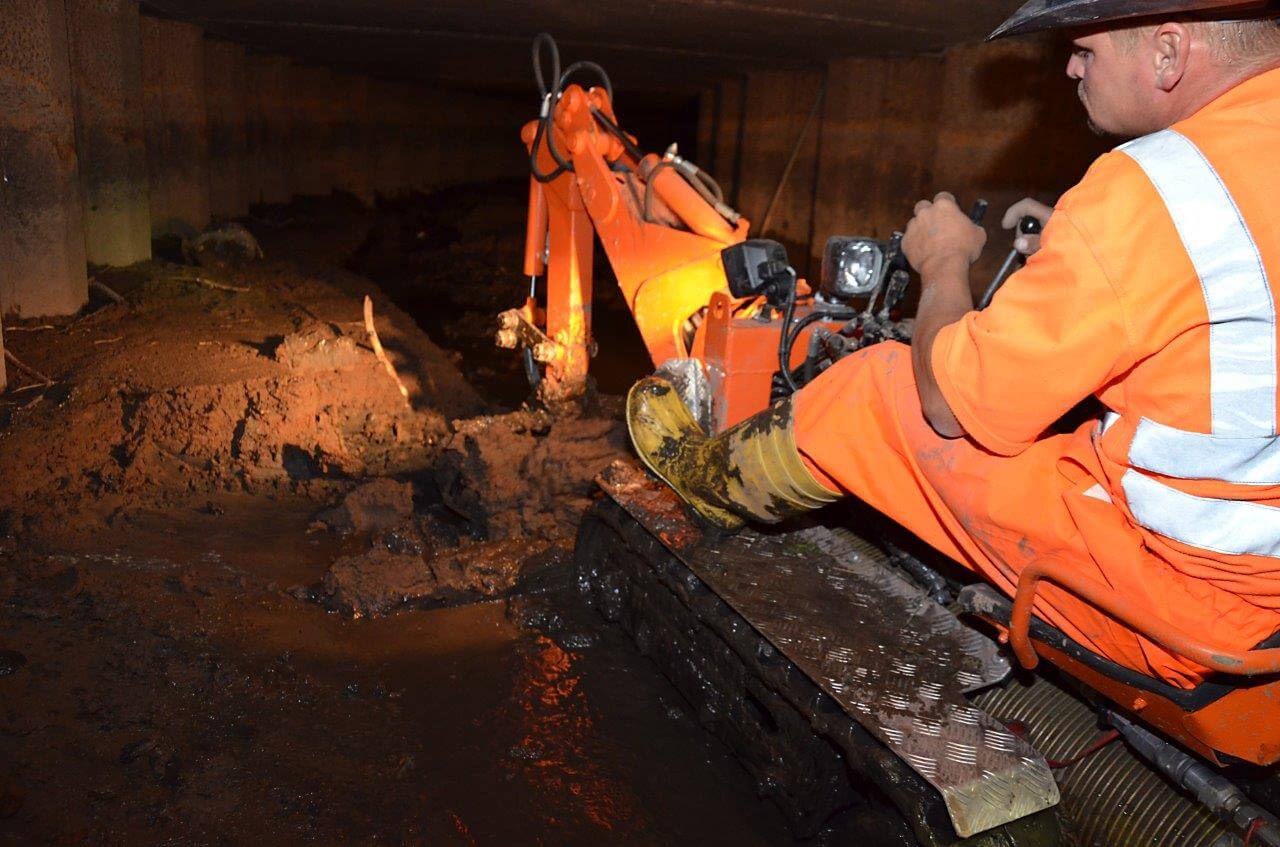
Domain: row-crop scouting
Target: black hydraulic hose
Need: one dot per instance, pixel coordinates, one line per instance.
(790, 335)
(540, 40)
(549, 99)
(531, 369)
(616, 131)
(784, 350)
(587, 66)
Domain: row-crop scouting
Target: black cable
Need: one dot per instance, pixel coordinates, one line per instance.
(531, 369)
(549, 99)
(791, 335)
(539, 40)
(616, 131)
(588, 66)
(784, 351)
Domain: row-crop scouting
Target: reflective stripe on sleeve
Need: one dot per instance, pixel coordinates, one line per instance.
(1242, 337)
(1234, 527)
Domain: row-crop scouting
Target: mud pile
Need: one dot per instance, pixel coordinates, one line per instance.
(518, 483)
(528, 472)
(253, 379)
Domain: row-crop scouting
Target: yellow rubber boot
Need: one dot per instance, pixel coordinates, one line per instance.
(751, 471)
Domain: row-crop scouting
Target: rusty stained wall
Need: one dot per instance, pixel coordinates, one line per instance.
(177, 128)
(994, 121)
(225, 96)
(270, 117)
(42, 250)
(106, 66)
(776, 110)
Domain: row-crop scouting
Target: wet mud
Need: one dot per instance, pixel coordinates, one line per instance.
(251, 594)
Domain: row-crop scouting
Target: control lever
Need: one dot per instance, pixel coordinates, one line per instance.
(897, 269)
(1027, 226)
(897, 261)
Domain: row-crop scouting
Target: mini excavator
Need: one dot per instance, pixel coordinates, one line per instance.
(871, 692)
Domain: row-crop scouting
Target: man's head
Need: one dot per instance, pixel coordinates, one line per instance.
(1138, 79)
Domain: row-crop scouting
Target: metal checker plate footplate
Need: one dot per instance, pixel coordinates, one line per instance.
(896, 661)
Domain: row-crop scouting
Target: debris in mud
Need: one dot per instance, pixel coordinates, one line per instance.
(317, 348)
(527, 473)
(403, 566)
(222, 246)
(375, 506)
(377, 581)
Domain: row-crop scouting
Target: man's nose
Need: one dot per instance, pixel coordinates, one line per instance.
(1075, 66)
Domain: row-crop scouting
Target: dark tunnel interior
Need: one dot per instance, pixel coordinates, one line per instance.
(321, 521)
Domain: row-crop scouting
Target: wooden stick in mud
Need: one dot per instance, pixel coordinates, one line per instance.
(221, 286)
(106, 291)
(378, 351)
(26, 369)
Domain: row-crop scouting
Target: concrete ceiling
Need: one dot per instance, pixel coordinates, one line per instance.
(656, 44)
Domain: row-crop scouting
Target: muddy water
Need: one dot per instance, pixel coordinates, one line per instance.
(177, 691)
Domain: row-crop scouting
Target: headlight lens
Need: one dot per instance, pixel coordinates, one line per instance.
(851, 267)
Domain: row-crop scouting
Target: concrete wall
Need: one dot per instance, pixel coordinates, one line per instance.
(177, 126)
(273, 105)
(106, 67)
(225, 96)
(120, 127)
(777, 106)
(42, 245)
(994, 121)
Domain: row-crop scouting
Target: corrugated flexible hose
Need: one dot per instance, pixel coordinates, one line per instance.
(1111, 797)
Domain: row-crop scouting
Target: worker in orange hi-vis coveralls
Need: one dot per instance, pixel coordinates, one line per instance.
(1153, 288)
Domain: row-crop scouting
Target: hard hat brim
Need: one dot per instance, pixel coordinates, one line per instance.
(1041, 15)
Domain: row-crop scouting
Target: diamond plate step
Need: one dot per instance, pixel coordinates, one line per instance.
(896, 661)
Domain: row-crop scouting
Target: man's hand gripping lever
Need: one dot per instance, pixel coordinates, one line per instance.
(1026, 242)
(941, 243)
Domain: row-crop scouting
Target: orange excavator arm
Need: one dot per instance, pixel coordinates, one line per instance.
(660, 224)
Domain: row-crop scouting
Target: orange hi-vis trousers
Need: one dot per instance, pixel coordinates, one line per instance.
(861, 430)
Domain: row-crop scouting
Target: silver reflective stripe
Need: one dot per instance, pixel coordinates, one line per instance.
(1241, 446)
(1234, 527)
(1246, 460)
(1242, 337)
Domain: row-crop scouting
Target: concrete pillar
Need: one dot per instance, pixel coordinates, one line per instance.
(176, 126)
(42, 253)
(106, 68)
(707, 108)
(225, 97)
(255, 130)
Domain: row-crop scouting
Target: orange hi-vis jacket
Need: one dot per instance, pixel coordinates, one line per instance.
(1154, 290)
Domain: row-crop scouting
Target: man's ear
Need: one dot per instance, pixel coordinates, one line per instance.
(1172, 50)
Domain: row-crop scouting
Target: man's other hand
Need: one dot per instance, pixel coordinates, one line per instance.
(1026, 244)
(941, 237)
